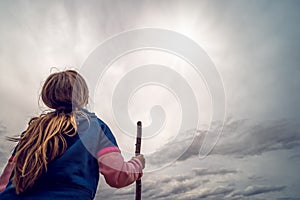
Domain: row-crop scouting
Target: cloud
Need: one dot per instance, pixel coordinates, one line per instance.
(204, 193)
(190, 186)
(204, 172)
(159, 187)
(164, 187)
(255, 139)
(240, 138)
(255, 178)
(295, 157)
(258, 189)
(219, 191)
(181, 148)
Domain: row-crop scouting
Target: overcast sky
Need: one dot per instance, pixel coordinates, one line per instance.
(254, 46)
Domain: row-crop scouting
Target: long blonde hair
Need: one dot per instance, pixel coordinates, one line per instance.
(44, 139)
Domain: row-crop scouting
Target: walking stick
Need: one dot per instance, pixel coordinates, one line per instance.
(138, 195)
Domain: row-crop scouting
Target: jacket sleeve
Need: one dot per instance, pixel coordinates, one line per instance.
(4, 178)
(116, 171)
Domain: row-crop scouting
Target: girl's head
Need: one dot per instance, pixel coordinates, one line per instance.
(65, 91)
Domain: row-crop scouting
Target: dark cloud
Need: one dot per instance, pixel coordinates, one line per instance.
(204, 172)
(187, 187)
(181, 148)
(191, 185)
(216, 192)
(295, 157)
(206, 193)
(165, 187)
(159, 187)
(255, 178)
(258, 189)
(255, 139)
(240, 138)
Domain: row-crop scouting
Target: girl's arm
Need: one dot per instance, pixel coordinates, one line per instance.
(116, 171)
(4, 178)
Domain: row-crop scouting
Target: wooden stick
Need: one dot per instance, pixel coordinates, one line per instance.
(138, 195)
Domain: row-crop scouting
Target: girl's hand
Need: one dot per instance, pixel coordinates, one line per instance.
(141, 158)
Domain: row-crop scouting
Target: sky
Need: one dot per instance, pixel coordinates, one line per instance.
(248, 66)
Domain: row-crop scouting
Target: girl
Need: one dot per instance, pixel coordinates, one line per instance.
(61, 153)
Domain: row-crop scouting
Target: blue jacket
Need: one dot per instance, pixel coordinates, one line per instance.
(75, 174)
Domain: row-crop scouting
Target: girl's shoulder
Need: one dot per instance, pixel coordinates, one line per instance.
(90, 124)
